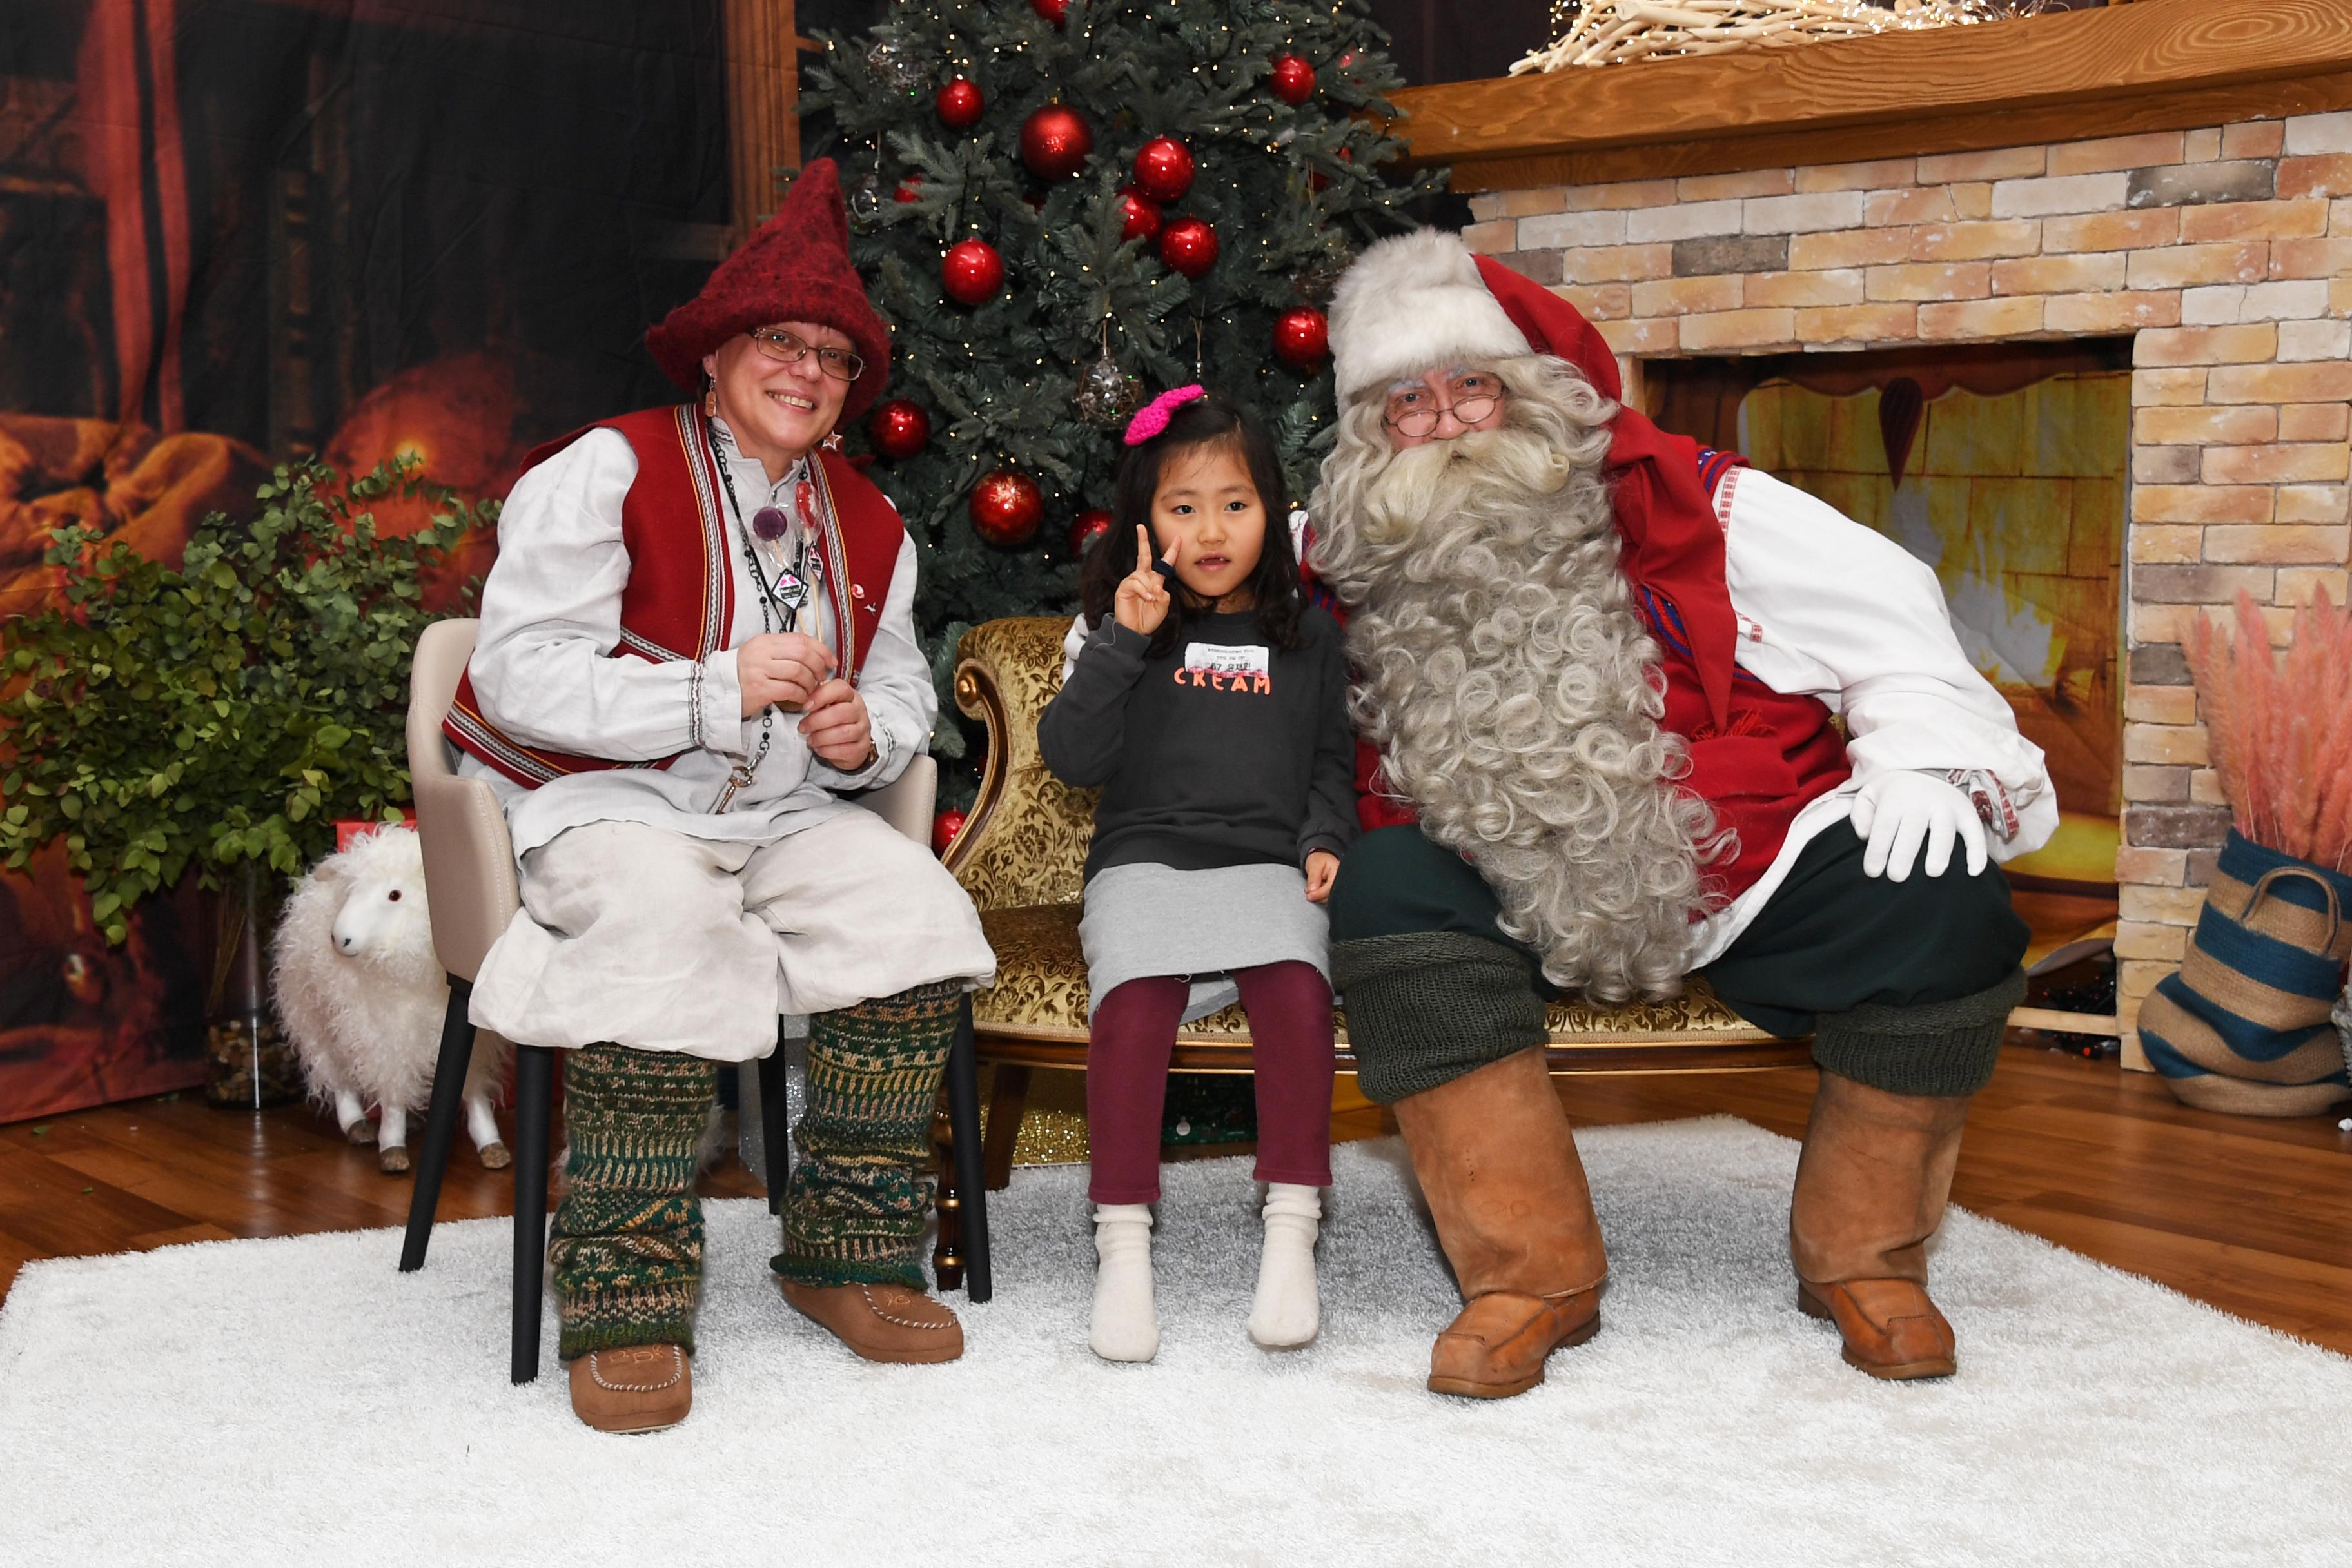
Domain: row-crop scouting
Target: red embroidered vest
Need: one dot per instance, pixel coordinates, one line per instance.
(1773, 754)
(679, 601)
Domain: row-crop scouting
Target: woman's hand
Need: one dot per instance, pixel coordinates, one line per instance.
(782, 666)
(1142, 600)
(837, 727)
(1322, 871)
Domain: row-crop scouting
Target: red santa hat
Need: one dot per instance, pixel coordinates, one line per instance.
(1421, 301)
(794, 267)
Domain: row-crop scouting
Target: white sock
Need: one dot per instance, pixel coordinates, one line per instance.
(1287, 1310)
(1126, 1328)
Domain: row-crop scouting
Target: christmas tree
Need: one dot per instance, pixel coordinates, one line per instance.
(1062, 207)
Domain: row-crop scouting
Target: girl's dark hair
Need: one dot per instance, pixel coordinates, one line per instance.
(1205, 421)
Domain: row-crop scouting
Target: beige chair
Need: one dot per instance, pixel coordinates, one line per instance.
(469, 880)
(1021, 856)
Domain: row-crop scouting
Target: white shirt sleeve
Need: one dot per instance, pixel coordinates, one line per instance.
(900, 701)
(1829, 608)
(551, 616)
(1073, 643)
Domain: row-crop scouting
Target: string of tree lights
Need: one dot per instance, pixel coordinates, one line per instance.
(1062, 207)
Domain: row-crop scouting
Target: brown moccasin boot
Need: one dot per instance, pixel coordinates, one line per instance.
(1499, 1165)
(638, 1388)
(1872, 1187)
(881, 1322)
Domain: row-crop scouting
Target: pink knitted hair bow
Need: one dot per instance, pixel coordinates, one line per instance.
(1152, 418)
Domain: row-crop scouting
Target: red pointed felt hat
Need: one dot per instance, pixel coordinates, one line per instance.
(794, 267)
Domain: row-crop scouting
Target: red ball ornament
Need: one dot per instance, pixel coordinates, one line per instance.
(1163, 169)
(972, 272)
(1139, 216)
(1055, 142)
(1006, 508)
(1293, 79)
(909, 190)
(898, 428)
(1090, 525)
(1190, 245)
(960, 104)
(1302, 338)
(944, 828)
(1054, 11)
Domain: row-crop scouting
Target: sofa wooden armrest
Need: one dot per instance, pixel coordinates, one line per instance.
(1021, 856)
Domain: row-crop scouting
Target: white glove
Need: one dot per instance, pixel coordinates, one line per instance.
(1898, 809)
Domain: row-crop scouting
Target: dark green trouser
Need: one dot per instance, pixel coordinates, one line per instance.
(1903, 985)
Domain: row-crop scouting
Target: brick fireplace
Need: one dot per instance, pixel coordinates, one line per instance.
(2214, 237)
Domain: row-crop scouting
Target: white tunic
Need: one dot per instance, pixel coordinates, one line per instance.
(1831, 609)
(551, 617)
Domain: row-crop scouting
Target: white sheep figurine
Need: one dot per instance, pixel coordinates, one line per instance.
(361, 996)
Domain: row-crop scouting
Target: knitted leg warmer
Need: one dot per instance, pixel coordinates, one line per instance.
(1424, 1008)
(627, 1249)
(1935, 1048)
(855, 1208)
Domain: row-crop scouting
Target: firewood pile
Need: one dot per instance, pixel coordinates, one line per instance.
(1613, 32)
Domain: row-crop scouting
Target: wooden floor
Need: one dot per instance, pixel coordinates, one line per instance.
(2252, 1215)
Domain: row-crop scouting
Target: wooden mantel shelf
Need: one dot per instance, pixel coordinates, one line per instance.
(2158, 65)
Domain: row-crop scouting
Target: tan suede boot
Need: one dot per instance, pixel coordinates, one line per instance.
(1499, 1165)
(1872, 1185)
(637, 1388)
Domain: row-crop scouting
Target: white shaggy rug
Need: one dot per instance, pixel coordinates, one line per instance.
(299, 1402)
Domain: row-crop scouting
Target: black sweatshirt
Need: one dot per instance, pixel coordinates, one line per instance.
(1226, 751)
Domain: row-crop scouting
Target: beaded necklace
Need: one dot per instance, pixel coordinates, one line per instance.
(787, 596)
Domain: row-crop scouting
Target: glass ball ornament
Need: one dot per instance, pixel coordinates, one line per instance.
(1163, 169)
(1302, 338)
(894, 65)
(1139, 216)
(898, 428)
(958, 104)
(1107, 395)
(1054, 11)
(972, 272)
(865, 198)
(1292, 78)
(1087, 527)
(945, 826)
(1190, 245)
(1006, 508)
(1315, 281)
(1055, 142)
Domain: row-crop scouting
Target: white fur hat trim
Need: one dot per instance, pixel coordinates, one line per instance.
(1412, 303)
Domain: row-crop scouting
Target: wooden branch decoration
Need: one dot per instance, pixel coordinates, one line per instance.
(1613, 32)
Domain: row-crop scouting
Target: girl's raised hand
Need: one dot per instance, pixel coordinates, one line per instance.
(1142, 600)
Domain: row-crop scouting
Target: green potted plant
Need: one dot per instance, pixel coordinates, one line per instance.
(218, 718)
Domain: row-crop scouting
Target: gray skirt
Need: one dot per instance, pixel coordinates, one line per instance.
(1147, 919)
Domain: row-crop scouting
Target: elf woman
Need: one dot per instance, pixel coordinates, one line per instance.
(1207, 699)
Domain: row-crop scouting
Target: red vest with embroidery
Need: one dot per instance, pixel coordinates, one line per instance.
(1774, 753)
(679, 601)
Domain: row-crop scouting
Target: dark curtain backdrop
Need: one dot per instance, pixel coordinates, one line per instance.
(237, 230)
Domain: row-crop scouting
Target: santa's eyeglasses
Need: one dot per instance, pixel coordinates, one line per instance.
(787, 349)
(1415, 411)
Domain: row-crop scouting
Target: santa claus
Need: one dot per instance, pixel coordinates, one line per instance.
(1639, 711)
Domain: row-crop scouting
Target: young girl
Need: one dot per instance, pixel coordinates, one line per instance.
(1206, 698)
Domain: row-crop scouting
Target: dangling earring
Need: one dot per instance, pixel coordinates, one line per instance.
(709, 397)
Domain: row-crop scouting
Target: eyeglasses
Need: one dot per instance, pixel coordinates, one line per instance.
(785, 348)
(1415, 411)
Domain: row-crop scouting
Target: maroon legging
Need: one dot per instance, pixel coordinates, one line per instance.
(1127, 1078)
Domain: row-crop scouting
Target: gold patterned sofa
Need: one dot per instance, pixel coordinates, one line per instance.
(1021, 855)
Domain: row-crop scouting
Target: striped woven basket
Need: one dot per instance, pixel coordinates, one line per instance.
(2244, 1025)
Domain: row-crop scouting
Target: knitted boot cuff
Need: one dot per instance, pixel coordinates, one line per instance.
(1424, 1008)
(1938, 1048)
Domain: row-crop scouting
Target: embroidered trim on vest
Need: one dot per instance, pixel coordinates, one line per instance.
(836, 574)
(649, 650)
(717, 559)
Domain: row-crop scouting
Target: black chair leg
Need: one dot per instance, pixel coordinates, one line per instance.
(440, 1123)
(534, 1095)
(775, 1135)
(971, 1186)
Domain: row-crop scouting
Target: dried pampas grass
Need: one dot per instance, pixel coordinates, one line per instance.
(1613, 32)
(2281, 726)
